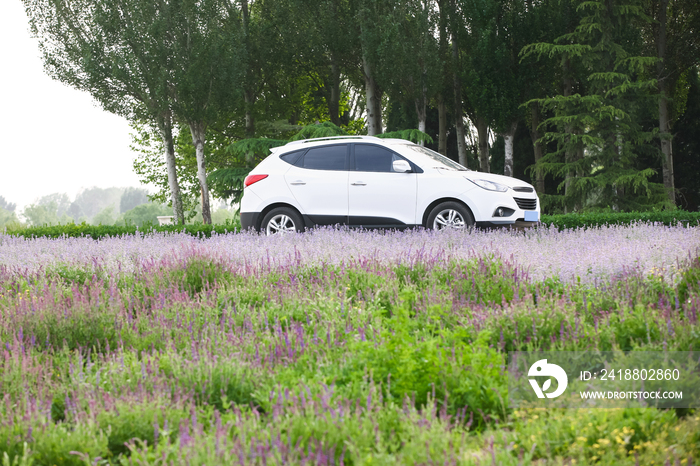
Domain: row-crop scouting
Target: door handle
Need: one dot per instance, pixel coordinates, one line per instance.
(359, 183)
(298, 183)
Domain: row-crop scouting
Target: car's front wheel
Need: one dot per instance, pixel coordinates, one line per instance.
(282, 220)
(450, 215)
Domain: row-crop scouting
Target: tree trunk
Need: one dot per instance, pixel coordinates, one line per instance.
(508, 137)
(166, 132)
(369, 98)
(443, 55)
(459, 116)
(442, 131)
(378, 109)
(249, 96)
(569, 153)
(374, 99)
(537, 146)
(666, 146)
(248, 91)
(482, 130)
(421, 112)
(334, 94)
(198, 134)
(579, 154)
(664, 120)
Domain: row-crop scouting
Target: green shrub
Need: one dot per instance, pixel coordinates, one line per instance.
(690, 281)
(564, 221)
(102, 231)
(594, 219)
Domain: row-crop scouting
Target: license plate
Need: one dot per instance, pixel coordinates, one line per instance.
(531, 216)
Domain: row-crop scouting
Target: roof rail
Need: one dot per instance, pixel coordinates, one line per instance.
(303, 141)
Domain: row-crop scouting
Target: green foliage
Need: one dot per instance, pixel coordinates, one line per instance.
(412, 135)
(7, 218)
(106, 216)
(74, 275)
(594, 219)
(144, 215)
(427, 368)
(596, 127)
(24, 460)
(322, 130)
(47, 214)
(151, 168)
(252, 151)
(198, 274)
(562, 221)
(8, 206)
(66, 445)
(127, 422)
(227, 181)
(89, 202)
(395, 363)
(690, 283)
(102, 231)
(686, 145)
(132, 197)
(598, 436)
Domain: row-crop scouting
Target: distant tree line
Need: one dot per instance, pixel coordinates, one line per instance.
(590, 100)
(96, 206)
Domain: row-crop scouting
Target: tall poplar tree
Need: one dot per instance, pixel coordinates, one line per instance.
(118, 52)
(205, 71)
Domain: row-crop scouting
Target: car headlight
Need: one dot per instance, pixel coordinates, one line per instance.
(490, 185)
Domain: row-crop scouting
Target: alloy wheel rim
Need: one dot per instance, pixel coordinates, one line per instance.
(449, 218)
(279, 225)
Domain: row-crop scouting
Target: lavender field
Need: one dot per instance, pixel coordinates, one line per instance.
(333, 346)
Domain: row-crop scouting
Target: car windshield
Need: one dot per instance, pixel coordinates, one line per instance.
(438, 160)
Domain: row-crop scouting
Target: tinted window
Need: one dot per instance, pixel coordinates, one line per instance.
(326, 158)
(291, 157)
(373, 158)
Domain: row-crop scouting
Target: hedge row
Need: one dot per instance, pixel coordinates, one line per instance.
(101, 231)
(595, 219)
(565, 221)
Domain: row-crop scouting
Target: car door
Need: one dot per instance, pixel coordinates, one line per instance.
(319, 182)
(378, 196)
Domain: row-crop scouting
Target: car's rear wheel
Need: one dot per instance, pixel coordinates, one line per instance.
(451, 215)
(282, 220)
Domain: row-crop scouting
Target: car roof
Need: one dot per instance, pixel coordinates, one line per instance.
(315, 142)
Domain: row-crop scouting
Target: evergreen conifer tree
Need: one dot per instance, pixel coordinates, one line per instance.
(594, 130)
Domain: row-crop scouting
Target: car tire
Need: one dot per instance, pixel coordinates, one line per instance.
(282, 220)
(450, 215)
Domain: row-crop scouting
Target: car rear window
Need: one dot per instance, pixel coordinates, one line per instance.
(325, 158)
(292, 157)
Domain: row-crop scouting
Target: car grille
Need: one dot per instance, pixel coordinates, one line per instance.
(526, 204)
(523, 189)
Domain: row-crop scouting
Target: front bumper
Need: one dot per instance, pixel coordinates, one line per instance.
(519, 224)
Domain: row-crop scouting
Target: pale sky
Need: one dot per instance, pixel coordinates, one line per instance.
(55, 138)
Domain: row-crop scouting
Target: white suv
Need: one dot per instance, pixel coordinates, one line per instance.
(364, 181)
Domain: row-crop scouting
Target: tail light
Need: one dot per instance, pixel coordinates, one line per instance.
(250, 179)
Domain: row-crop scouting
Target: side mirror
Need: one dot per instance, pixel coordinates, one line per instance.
(401, 166)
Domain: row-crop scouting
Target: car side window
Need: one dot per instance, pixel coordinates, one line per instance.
(325, 158)
(369, 158)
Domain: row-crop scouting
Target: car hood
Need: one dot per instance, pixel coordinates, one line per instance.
(504, 180)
